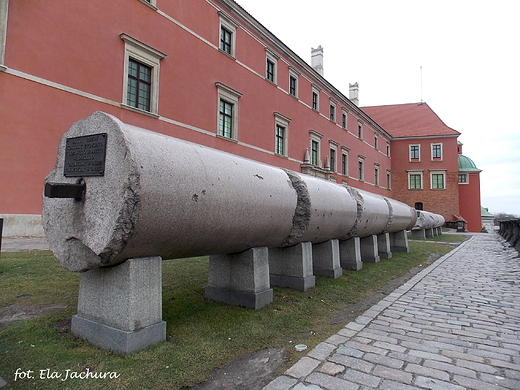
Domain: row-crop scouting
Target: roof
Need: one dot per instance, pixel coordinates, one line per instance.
(409, 120)
(467, 165)
(485, 212)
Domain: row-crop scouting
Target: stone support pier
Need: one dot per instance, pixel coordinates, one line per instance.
(383, 246)
(325, 259)
(291, 267)
(120, 308)
(399, 242)
(369, 249)
(419, 234)
(240, 279)
(350, 254)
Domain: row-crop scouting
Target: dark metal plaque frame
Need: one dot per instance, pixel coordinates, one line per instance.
(85, 155)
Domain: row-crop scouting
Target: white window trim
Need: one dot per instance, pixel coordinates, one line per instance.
(361, 160)
(376, 141)
(332, 105)
(149, 56)
(272, 57)
(296, 75)
(467, 178)
(410, 153)
(344, 112)
(438, 172)
(231, 96)
(4, 5)
(316, 90)
(442, 152)
(283, 121)
(360, 130)
(315, 136)
(388, 179)
(419, 172)
(388, 148)
(229, 24)
(344, 152)
(377, 171)
(333, 145)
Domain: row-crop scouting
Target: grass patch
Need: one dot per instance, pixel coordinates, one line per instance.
(202, 335)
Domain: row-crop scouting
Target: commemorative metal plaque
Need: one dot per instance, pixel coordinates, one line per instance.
(85, 155)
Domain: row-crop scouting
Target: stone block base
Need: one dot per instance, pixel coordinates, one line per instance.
(296, 283)
(248, 299)
(118, 340)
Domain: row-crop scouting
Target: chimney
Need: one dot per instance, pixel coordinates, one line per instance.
(317, 59)
(353, 93)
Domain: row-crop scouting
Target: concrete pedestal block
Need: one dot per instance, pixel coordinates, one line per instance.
(350, 254)
(291, 267)
(383, 246)
(369, 249)
(399, 242)
(419, 234)
(240, 279)
(120, 308)
(325, 259)
(429, 233)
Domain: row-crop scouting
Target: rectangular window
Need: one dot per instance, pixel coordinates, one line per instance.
(333, 160)
(332, 112)
(388, 180)
(280, 137)
(437, 151)
(228, 29)
(344, 121)
(437, 181)
(376, 142)
(292, 85)
(281, 129)
(139, 88)
(227, 109)
(414, 152)
(360, 130)
(376, 176)
(226, 40)
(344, 164)
(315, 152)
(463, 178)
(388, 149)
(415, 181)
(225, 128)
(141, 76)
(361, 170)
(315, 100)
(270, 71)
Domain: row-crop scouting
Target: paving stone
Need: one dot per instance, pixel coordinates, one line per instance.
(393, 374)
(281, 383)
(361, 378)
(321, 351)
(332, 368)
(499, 380)
(383, 360)
(330, 382)
(303, 386)
(391, 385)
(343, 350)
(435, 384)
(303, 367)
(450, 368)
(427, 372)
(475, 384)
(351, 362)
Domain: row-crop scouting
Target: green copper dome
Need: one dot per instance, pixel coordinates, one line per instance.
(467, 165)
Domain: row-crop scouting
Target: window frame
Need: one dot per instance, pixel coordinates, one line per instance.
(360, 130)
(344, 119)
(344, 160)
(315, 104)
(436, 147)
(466, 178)
(230, 96)
(388, 179)
(271, 58)
(332, 111)
(376, 174)
(315, 154)
(146, 55)
(150, 3)
(294, 74)
(281, 121)
(412, 148)
(333, 156)
(361, 168)
(437, 173)
(228, 24)
(420, 175)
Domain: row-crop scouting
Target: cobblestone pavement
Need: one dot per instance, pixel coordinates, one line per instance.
(455, 325)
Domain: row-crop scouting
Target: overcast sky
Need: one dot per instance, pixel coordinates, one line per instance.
(469, 51)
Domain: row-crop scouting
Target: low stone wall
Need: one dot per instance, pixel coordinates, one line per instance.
(510, 230)
(22, 225)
